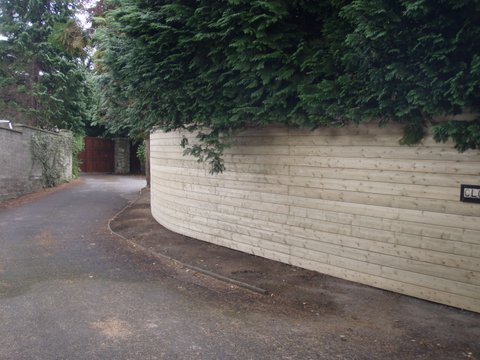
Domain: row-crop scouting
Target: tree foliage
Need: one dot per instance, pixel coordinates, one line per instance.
(42, 75)
(217, 66)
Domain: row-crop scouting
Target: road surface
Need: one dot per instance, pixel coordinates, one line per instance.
(68, 290)
(71, 290)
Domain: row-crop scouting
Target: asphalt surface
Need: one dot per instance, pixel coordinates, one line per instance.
(71, 290)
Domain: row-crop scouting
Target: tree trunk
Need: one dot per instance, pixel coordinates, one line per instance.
(34, 79)
(147, 161)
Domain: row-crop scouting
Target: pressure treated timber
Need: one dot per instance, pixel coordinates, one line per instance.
(350, 202)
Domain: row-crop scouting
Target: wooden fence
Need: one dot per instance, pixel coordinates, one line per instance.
(98, 155)
(351, 203)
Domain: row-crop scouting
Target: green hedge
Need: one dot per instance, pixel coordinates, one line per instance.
(225, 65)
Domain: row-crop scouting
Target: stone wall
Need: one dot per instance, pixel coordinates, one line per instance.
(122, 155)
(351, 203)
(20, 173)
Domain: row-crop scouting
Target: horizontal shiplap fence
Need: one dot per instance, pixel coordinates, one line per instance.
(351, 203)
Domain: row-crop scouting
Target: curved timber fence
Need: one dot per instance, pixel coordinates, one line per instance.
(351, 203)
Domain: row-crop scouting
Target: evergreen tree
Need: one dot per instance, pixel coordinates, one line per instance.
(42, 76)
(217, 66)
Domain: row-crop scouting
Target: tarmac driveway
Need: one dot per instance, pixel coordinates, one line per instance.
(71, 290)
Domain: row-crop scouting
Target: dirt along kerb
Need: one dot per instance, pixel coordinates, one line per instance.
(354, 311)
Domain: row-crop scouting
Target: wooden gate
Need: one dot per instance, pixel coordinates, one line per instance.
(98, 155)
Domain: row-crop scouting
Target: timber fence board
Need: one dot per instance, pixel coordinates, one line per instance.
(348, 202)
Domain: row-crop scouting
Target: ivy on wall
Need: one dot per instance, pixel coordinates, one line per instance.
(53, 154)
(217, 66)
(78, 145)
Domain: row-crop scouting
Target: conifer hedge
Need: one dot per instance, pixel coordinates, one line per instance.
(222, 65)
